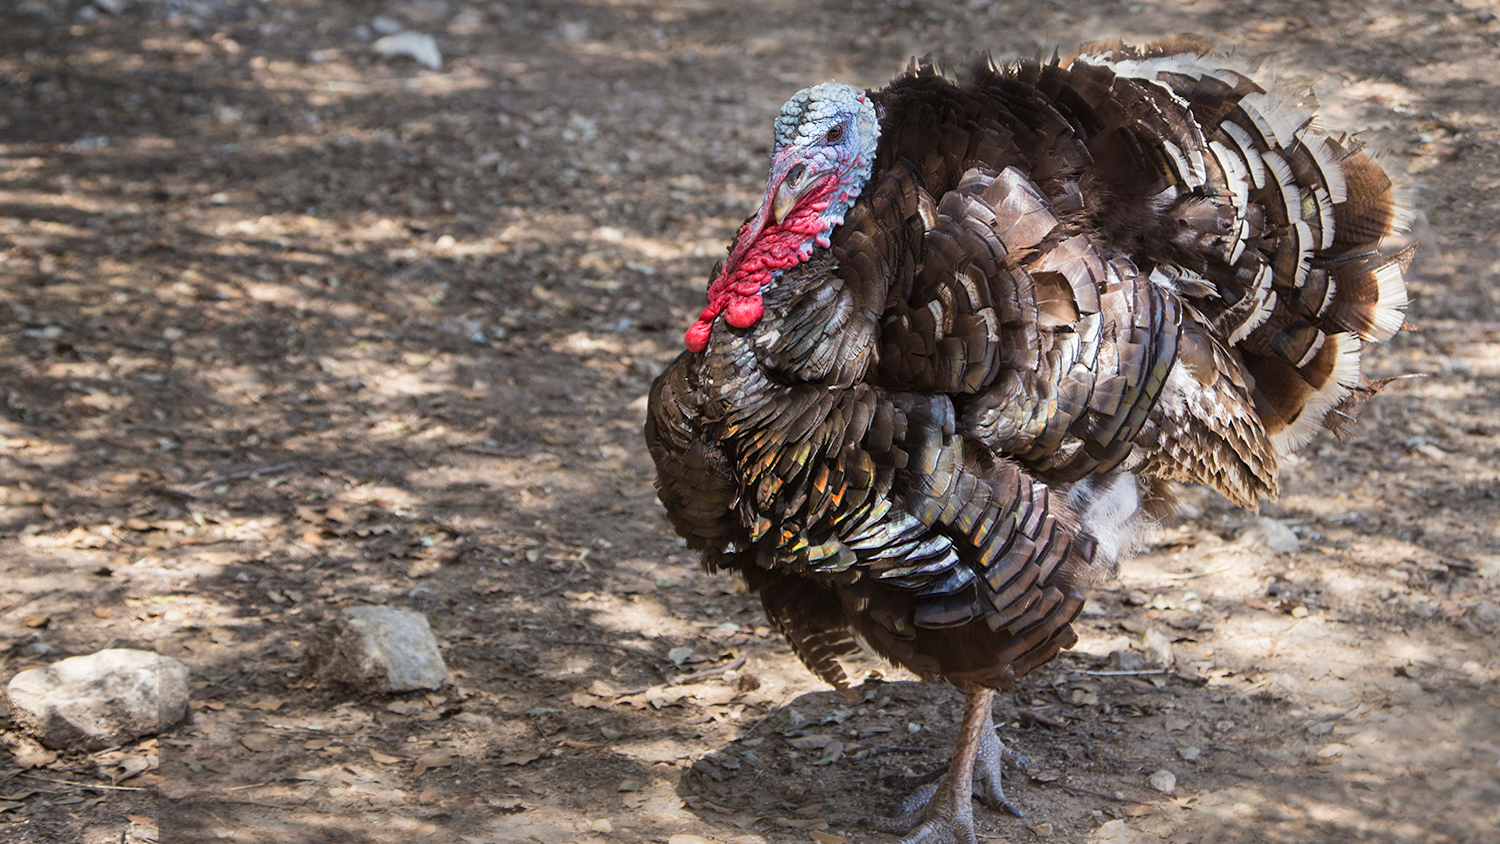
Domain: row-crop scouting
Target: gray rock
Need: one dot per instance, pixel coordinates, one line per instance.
(1272, 535)
(1164, 781)
(418, 46)
(100, 700)
(1486, 614)
(379, 649)
(385, 25)
(1158, 646)
(1126, 661)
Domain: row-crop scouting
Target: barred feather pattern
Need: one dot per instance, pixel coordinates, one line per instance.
(1064, 286)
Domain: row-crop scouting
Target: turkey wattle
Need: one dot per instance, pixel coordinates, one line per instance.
(976, 330)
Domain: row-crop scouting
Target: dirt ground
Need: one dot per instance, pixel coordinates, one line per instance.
(286, 327)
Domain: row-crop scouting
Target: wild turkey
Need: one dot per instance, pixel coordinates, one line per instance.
(975, 332)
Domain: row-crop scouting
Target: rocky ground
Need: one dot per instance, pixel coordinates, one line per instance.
(290, 327)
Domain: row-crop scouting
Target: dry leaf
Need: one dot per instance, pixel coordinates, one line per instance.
(518, 758)
(258, 742)
(268, 705)
(700, 803)
(309, 515)
(1331, 751)
(588, 701)
(1049, 775)
(131, 766)
(579, 745)
(802, 823)
(825, 837)
(689, 839)
(103, 612)
(385, 758)
(316, 744)
(435, 759)
(312, 537)
(34, 759)
(137, 819)
(36, 622)
(716, 695)
(428, 796)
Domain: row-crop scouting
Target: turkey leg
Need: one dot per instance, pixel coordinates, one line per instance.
(943, 812)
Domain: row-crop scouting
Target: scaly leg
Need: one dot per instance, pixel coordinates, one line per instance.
(992, 758)
(943, 812)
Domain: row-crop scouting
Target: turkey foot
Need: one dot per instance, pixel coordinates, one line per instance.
(991, 758)
(943, 812)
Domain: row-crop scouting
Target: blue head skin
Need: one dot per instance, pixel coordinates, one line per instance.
(825, 138)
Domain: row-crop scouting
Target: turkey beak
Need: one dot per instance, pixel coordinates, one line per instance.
(796, 182)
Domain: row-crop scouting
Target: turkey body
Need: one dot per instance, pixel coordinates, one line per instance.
(1059, 289)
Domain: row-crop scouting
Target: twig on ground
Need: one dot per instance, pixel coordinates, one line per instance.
(239, 476)
(1139, 673)
(509, 451)
(21, 603)
(1334, 717)
(87, 784)
(621, 648)
(881, 751)
(683, 679)
(1111, 797)
(1190, 575)
(266, 805)
(558, 585)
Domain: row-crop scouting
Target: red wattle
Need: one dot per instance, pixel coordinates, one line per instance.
(778, 246)
(743, 311)
(697, 334)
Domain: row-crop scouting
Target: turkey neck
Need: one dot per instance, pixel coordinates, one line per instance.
(816, 331)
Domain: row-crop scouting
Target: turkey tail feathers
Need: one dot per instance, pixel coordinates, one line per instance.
(1285, 230)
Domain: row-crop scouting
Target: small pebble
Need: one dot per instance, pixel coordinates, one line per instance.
(1164, 781)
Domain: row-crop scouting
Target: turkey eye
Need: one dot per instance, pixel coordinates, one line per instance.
(835, 134)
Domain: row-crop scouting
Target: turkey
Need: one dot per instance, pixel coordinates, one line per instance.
(976, 332)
